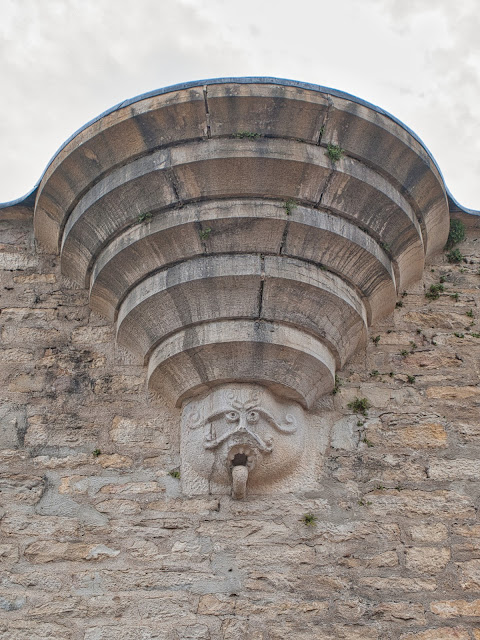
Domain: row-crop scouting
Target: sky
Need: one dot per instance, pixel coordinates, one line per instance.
(63, 62)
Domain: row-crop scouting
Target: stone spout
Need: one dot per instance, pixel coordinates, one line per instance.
(239, 481)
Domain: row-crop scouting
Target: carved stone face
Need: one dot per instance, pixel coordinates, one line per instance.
(241, 424)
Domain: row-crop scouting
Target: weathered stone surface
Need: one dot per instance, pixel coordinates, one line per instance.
(459, 469)
(47, 551)
(395, 585)
(422, 436)
(469, 575)
(450, 393)
(17, 261)
(429, 532)
(440, 633)
(410, 503)
(427, 559)
(456, 608)
(408, 612)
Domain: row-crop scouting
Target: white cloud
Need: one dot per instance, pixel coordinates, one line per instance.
(65, 61)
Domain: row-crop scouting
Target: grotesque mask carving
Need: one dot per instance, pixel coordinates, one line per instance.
(239, 434)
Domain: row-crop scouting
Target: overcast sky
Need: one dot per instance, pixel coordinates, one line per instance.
(62, 62)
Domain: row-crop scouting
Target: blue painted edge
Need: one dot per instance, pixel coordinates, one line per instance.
(28, 200)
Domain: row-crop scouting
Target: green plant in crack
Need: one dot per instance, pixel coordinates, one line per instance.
(174, 474)
(456, 235)
(454, 256)
(434, 291)
(289, 206)
(144, 217)
(309, 520)
(337, 385)
(205, 233)
(334, 152)
(359, 405)
(251, 135)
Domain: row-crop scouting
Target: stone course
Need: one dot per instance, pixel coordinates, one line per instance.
(98, 542)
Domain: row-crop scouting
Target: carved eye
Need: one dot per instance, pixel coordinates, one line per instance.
(232, 416)
(252, 417)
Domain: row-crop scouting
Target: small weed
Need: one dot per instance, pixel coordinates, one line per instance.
(174, 474)
(475, 335)
(204, 233)
(413, 345)
(454, 256)
(144, 217)
(374, 373)
(434, 291)
(432, 270)
(96, 453)
(334, 152)
(380, 487)
(375, 340)
(385, 246)
(359, 405)
(399, 304)
(442, 279)
(322, 130)
(456, 235)
(289, 206)
(309, 520)
(247, 134)
(337, 385)
(391, 374)
(419, 331)
(404, 294)
(364, 503)
(404, 353)
(454, 296)
(458, 335)
(368, 442)
(360, 423)
(411, 379)
(469, 313)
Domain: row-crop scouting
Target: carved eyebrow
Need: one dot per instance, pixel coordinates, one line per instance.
(218, 414)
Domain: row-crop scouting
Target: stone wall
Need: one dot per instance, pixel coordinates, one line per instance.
(97, 541)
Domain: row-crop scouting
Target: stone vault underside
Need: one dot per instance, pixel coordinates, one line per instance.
(246, 232)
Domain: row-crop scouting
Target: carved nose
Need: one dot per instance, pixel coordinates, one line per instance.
(242, 425)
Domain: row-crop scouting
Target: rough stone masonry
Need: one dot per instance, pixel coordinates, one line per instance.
(190, 218)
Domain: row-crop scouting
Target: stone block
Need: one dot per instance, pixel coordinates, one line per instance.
(26, 383)
(12, 426)
(17, 261)
(452, 470)
(453, 393)
(429, 532)
(406, 612)
(427, 559)
(439, 633)
(469, 575)
(456, 608)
